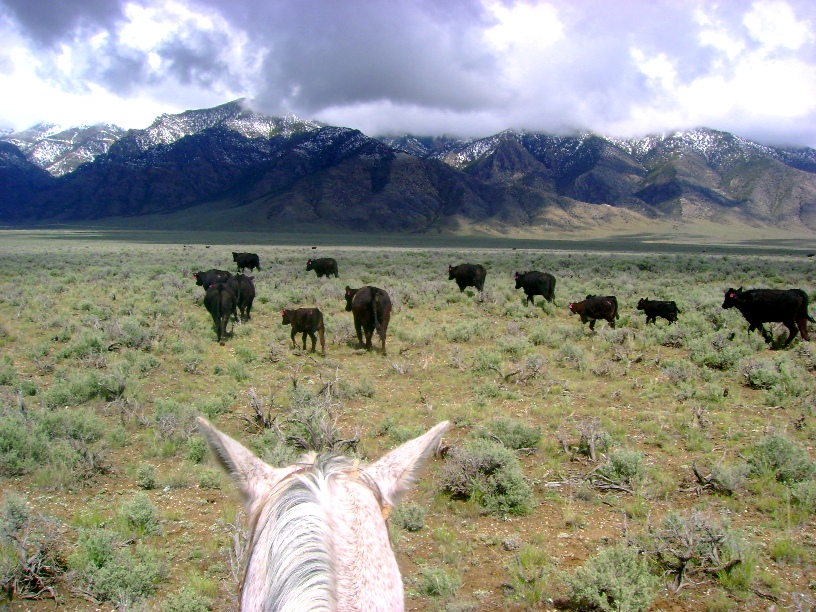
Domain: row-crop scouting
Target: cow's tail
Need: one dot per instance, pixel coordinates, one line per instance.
(375, 306)
(805, 304)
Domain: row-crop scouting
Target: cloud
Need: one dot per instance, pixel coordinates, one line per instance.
(48, 22)
(463, 67)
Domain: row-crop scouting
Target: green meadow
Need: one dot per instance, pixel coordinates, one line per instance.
(668, 467)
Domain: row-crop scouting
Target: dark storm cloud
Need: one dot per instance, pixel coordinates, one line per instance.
(339, 53)
(48, 22)
(418, 65)
(196, 59)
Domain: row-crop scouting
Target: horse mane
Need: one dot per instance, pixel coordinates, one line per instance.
(293, 530)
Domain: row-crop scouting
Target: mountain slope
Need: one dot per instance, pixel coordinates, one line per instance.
(287, 172)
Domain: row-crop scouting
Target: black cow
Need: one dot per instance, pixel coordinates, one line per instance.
(596, 307)
(210, 277)
(306, 321)
(246, 260)
(371, 308)
(758, 306)
(244, 290)
(468, 275)
(658, 308)
(220, 303)
(325, 266)
(536, 283)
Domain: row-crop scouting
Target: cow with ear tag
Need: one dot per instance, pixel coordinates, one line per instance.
(758, 306)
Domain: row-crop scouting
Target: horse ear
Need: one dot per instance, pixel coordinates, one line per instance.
(395, 472)
(254, 477)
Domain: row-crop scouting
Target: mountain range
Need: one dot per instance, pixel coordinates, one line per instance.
(229, 167)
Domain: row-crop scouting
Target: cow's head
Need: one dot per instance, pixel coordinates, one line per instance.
(572, 308)
(309, 265)
(731, 298)
(287, 317)
(641, 304)
(349, 297)
(234, 256)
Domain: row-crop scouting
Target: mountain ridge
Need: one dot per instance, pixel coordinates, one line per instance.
(290, 171)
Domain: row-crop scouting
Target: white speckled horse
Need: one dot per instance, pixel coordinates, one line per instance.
(319, 539)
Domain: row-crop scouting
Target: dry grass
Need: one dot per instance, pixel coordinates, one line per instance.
(116, 332)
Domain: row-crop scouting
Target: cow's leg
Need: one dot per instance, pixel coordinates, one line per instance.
(612, 322)
(314, 340)
(791, 325)
(222, 330)
(294, 333)
(768, 337)
(369, 332)
(383, 329)
(592, 324)
(359, 329)
(802, 323)
(320, 331)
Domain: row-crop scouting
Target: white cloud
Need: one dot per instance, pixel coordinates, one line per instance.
(658, 68)
(775, 25)
(465, 67)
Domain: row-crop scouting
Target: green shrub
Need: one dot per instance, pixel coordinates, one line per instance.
(530, 571)
(32, 551)
(573, 355)
(209, 478)
(512, 433)
(804, 495)
(272, 449)
(788, 462)
(146, 476)
(196, 450)
(786, 550)
(140, 515)
(77, 389)
(8, 375)
(437, 582)
(108, 570)
(90, 344)
(486, 362)
(15, 515)
(63, 439)
(730, 477)
(693, 545)
(187, 599)
(173, 420)
(462, 331)
(22, 449)
(625, 467)
(617, 579)
(212, 406)
(491, 474)
(759, 373)
(410, 517)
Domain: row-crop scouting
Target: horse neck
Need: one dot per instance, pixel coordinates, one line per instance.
(321, 544)
(290, 566)
(367, 575)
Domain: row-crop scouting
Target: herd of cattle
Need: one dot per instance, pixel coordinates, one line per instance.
(228, 294)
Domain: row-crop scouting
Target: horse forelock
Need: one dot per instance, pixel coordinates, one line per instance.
(291, 564)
